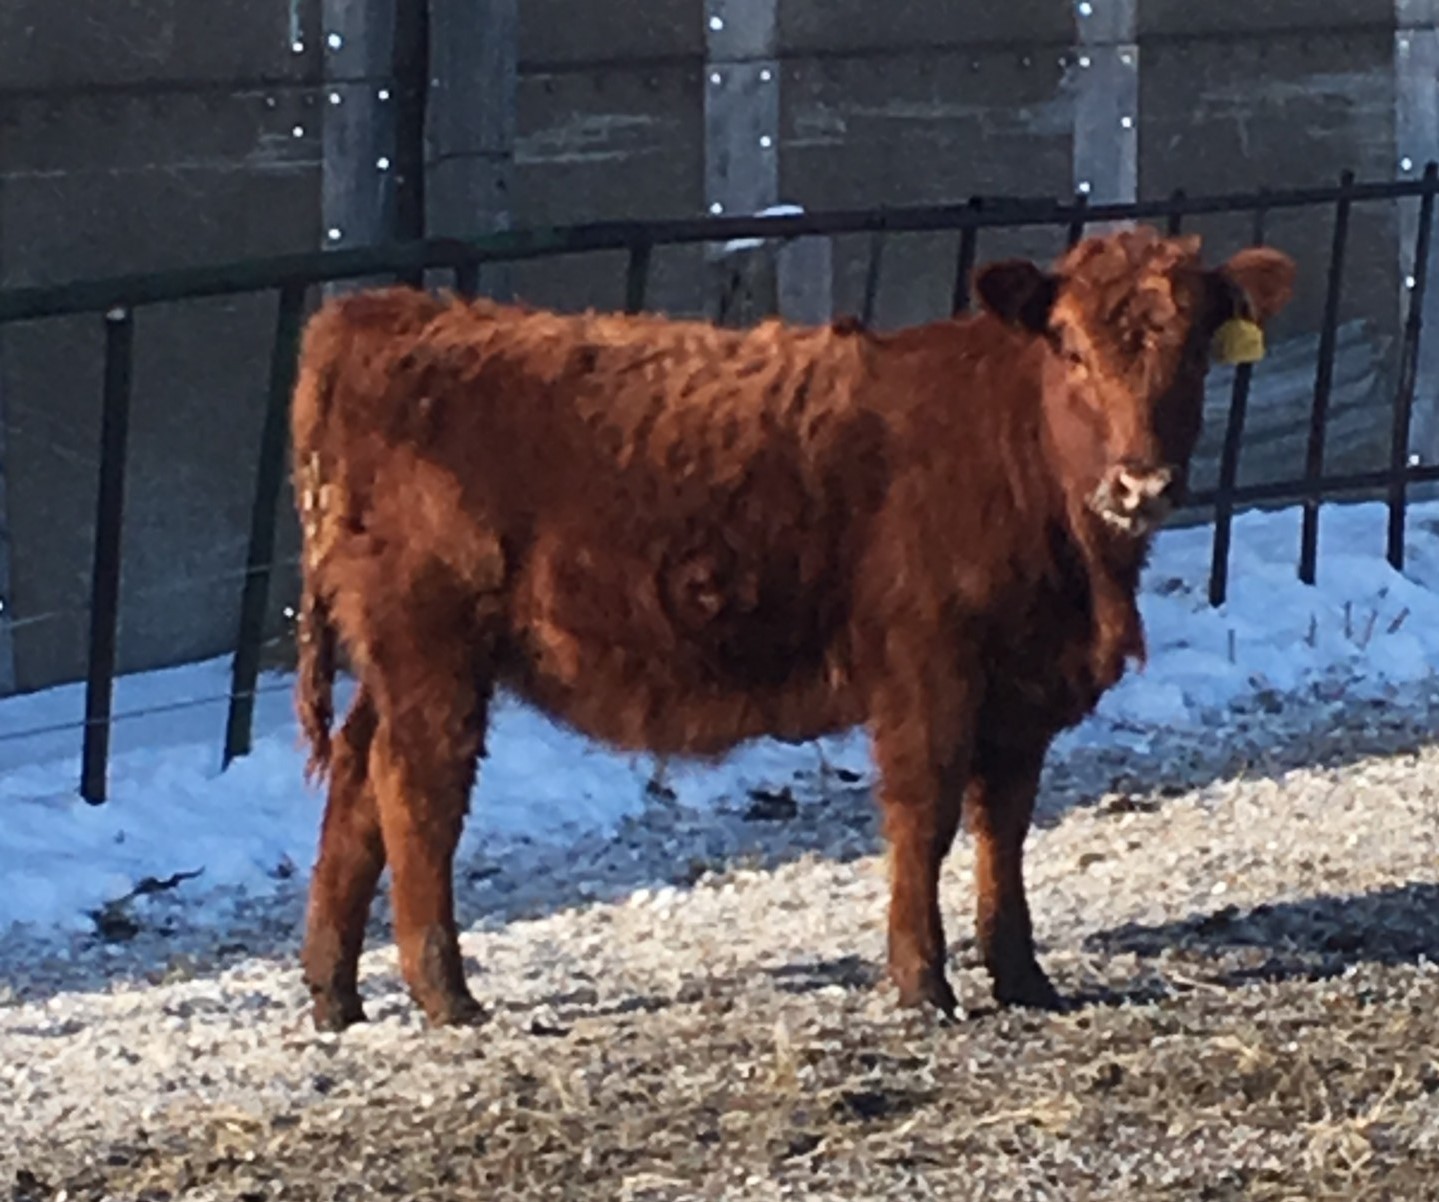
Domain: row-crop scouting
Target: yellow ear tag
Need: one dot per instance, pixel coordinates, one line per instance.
(1238, 340)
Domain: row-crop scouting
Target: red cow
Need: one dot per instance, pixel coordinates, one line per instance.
(676, 537)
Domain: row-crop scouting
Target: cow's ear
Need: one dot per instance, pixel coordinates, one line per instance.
(1264, 280)
(1017, 292)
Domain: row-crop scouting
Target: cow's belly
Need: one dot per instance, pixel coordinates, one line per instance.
(682, 659)
(634, 700)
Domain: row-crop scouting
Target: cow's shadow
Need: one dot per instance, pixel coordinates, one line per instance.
(673, 846)
(1311, 939)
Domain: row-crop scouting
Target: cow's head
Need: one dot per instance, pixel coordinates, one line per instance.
(1130, 320)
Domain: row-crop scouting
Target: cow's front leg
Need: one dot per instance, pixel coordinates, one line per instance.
(921, 800)
(999, 803)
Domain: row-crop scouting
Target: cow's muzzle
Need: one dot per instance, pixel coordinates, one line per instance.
(1134, 499)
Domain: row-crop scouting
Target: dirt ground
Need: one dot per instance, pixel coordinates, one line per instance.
(1233, 1088)
(1246, 942)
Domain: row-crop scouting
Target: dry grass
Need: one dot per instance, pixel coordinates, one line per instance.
(1284, 1090)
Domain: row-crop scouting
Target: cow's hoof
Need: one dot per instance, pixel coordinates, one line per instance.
(454, 1010)
(925, 988)
(334, 1010)
(1029, 988)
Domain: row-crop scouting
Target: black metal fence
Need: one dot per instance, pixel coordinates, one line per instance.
(291, 277)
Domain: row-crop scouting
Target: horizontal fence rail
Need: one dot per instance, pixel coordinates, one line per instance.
(291, 277)
(328, 266)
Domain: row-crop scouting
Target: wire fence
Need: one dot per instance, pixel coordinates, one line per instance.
(157, 709)
(291, 278)
(160, 590)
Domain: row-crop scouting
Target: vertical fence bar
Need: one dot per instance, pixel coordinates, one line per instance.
(1324, 381)
(1408, 371)
(871, 277)
(467, 279)
(259, 559)
(964, 263)
(1229, 462)
(1175, 224)
(1077, 222)
(105, 572)
(637, 277)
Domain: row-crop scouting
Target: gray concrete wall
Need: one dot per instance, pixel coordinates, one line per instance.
(151, 133)
(134, 136)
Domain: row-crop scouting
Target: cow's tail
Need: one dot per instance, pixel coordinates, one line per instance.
(314, 686)
(314, 631)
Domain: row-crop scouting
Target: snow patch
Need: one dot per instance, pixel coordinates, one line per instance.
(172, 810)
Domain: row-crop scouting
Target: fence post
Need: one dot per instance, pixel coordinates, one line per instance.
(964, 263)
(1175, 224)
(871, 276)
(105, 573)
(1229, 463)
(1408, 373)
(259, 559)
(1077, 222)
(467, 279)
(637, 277)
(1323, 383)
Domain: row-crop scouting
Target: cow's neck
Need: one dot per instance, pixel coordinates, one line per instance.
(1110, 564)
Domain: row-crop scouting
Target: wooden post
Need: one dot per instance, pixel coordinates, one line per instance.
(359, 164)
(1104, 76)
(474, 80)
(1416, 133)
(742, 83)
(359, 105)
(742, 106)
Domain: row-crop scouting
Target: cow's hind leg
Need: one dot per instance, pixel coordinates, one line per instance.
(423, 766)
(999, 803)
(921, 800)
(350, 860)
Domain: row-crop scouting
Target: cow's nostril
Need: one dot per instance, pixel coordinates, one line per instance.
(1130, 489)
(1135, 486)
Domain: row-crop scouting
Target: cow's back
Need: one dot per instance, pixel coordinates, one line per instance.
(660, 517)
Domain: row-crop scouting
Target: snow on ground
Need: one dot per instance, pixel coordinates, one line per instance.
(172, 810)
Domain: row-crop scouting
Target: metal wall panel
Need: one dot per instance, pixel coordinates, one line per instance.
(1256, 18)
(155, 45)
(607, 144)
(924, 128)
(559, 33)
(110, 180)
(1237, 112)
(862, 27)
